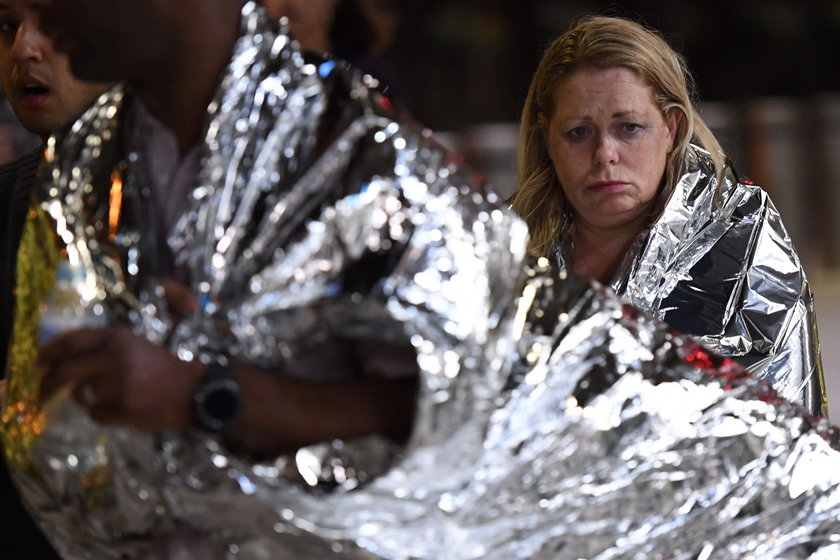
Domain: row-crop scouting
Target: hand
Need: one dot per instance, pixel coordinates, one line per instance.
(121, 378)
(179, 298)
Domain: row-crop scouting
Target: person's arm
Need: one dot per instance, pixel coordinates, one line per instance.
(122, 378)
(281, 414)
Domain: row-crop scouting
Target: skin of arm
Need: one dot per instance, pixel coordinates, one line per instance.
(141, 385)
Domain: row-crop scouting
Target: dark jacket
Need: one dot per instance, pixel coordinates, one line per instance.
(21, 537)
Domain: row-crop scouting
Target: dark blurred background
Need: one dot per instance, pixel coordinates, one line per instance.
(469, 61)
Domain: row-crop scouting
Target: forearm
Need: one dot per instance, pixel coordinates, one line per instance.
(280, 415)
(124, 379)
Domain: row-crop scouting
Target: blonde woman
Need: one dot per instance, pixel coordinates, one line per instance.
(620, 180)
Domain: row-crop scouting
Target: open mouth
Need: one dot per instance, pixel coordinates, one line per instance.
(34, 90)
(33, 95)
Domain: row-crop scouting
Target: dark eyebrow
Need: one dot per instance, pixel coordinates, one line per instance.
(625, 113)
(617, 115)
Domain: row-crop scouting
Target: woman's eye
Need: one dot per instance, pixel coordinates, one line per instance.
(578, 133)
(632, 128)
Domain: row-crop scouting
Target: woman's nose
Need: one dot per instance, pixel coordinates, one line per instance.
(606, 150)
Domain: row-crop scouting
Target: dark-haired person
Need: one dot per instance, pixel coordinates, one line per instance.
(44, 94)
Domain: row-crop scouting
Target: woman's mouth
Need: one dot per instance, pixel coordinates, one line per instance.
(606, 187)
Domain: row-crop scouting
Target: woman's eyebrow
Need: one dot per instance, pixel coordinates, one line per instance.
(625, 113)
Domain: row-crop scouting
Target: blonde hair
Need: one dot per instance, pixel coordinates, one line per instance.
(599, 42)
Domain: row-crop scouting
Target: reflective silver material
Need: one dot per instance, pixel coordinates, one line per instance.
(718, 264)
(553, 421)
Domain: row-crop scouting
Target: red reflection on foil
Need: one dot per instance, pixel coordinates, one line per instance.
(727, 370)
(386, 104)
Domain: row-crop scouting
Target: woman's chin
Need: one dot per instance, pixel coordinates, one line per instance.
(618, 216)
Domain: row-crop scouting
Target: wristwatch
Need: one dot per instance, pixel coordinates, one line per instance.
(218, 401)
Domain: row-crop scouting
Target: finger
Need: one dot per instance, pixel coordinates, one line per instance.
(179, 298)
(85, 394)
(98, 368)
(70, 344)
(109, 411)
(102, 406)
(95, 389)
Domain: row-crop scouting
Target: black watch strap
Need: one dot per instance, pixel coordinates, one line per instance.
(218, 402)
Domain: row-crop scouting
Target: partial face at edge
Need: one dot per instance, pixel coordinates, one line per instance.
(105, 40)
(609, 143)
(309, 20)
(37, 79)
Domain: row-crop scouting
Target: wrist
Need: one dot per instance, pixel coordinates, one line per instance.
(217, 402)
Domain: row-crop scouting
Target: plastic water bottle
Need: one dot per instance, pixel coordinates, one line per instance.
(70, 439)
(72, 303)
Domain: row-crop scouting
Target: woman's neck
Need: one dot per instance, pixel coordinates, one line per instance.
(598, 252)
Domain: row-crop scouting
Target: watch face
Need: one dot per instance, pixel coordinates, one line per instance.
(217, 402)
(222, 403)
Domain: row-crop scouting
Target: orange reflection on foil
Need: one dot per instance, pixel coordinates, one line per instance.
(115, 204)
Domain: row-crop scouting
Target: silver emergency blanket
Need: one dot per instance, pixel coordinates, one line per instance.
(718, 264)
(553, 421)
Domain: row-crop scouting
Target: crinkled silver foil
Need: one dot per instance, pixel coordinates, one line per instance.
(718, 264)
(553, 421)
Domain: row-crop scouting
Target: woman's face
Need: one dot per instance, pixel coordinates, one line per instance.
(609, 141)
